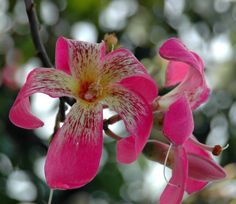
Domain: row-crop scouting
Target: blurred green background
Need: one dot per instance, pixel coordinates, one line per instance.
(206, 26)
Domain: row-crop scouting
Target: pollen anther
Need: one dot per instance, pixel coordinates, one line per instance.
(217, 150)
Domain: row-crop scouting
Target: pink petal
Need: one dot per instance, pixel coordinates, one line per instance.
(178, 122)
(202, 98)
(200, 62)
(77, 56)
(192, 83)
(75, 151)
(45, 80)
(204, 169)
(201, 164)
(192, 148)
(144, 85)
(174, 193)
(174, 49)
(176, 72)
(194, 185)
(62, 55)
(120, 64)
(21, 116)
(126, 150)
(195, 88)
(137, 116)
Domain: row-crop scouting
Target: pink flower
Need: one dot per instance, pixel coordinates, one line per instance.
(201, 167)
(192, 167)
(186, 70)
(94, 78)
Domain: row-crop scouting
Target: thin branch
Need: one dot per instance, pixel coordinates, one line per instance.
(106, 122)
(113, 119)
(69, 100)
(112, 134)
(62, 110)
(34, 27)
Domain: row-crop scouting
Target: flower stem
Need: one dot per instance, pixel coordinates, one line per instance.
(165, 163)
(50, 196)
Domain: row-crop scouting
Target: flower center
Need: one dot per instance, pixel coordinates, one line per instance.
(90, 91)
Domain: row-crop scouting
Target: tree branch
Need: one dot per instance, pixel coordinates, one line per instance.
(106, 122)
(34, 27)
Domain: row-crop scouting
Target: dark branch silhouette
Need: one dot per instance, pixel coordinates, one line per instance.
(34, 27)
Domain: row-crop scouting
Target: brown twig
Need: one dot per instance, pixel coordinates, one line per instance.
(34, 27)
(112, 134)
(113, 119)
(69, 100)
